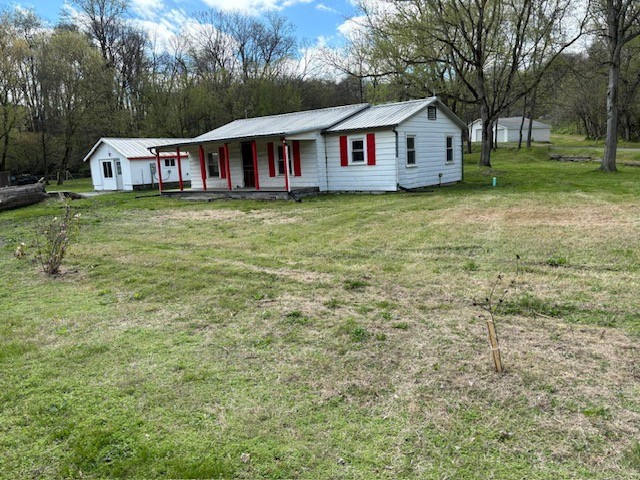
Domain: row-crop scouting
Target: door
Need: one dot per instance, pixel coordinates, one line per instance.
(108, 171)
(247, 165)
(119, 175)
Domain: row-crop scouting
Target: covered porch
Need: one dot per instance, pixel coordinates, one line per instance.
(268, 165)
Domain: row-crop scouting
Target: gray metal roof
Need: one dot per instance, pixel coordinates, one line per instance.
(515, 122)
(387, 115)
(135, 147)
(285, 124)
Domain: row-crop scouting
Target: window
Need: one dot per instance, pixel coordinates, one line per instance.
(281, 160)
(169, 162)
(213, 165)
(449, 149)
(107, 170)
(357, 150)
(411, 150)
(431, 113)
(118, 168)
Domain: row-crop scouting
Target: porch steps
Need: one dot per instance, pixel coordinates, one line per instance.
(210, 196)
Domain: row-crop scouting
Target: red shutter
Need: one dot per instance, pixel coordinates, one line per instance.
(222, 163)
(272, 161)
(297, 168)
(344, 152)
(371, 149)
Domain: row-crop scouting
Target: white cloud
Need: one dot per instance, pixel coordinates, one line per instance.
(323, 8)
(148, 8)
(253, 7)
(352, 27)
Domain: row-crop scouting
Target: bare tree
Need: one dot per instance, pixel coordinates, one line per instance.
(620, 24)
(12, 53)
(489, 45)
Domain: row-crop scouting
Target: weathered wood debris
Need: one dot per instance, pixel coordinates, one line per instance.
(565, 158)
(21, 196)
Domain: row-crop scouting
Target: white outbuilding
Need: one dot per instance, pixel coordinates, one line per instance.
(509, 130)
(365, 148)
(127, 164)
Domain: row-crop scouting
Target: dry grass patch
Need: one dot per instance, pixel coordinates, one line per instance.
(267, 217)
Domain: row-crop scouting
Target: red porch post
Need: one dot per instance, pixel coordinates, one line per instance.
(228, 163)
(254, 152)
(203, 172)
(180, 170)
(286, 164)
(159, 170)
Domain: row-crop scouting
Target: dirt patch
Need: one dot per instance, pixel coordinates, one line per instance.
(267, 217)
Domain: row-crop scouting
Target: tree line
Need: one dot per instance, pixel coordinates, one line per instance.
(573, 61)
(94, 74)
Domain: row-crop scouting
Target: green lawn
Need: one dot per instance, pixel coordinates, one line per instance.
(335, 338)
(79, 185)
(563, 140)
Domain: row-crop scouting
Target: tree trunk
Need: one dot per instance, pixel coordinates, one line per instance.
(21, 196)
(532, 112)
(485, 151)
(524, 112)
(611, 144)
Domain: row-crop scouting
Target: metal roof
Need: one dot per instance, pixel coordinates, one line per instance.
(515, 122)
(387, 115)
(135, 147)
(285, 124)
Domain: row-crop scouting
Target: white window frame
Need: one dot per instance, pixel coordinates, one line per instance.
(434, 109)
(107, 172)
(169, 162)
(356, 138)
(210, 156)
(448, 149)
(414, 150)
(280, 158)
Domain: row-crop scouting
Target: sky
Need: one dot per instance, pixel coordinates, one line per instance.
(320, 22)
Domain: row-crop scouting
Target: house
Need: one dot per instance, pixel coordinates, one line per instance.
(509, 130)
(347, 148)
(127, 164)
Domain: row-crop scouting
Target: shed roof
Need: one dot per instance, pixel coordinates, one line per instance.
(134, 147)
(285, 124)
(515, 122)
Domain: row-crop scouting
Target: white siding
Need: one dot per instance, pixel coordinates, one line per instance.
(103, 152)
(134, 172)
(379, 177)
(513, 134)
(431, 151)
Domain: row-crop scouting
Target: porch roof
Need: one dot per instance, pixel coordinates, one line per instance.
(275, 125)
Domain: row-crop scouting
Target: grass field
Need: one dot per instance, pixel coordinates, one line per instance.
(335, 338)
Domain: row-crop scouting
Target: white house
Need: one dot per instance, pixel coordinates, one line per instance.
(349, 148)
(509, 130)
(127, 164)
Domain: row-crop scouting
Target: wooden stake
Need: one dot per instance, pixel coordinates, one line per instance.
(495, 349)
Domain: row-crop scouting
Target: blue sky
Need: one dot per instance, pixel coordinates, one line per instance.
(314, 20)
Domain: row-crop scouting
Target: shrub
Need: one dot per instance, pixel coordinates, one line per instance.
(53, 239)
